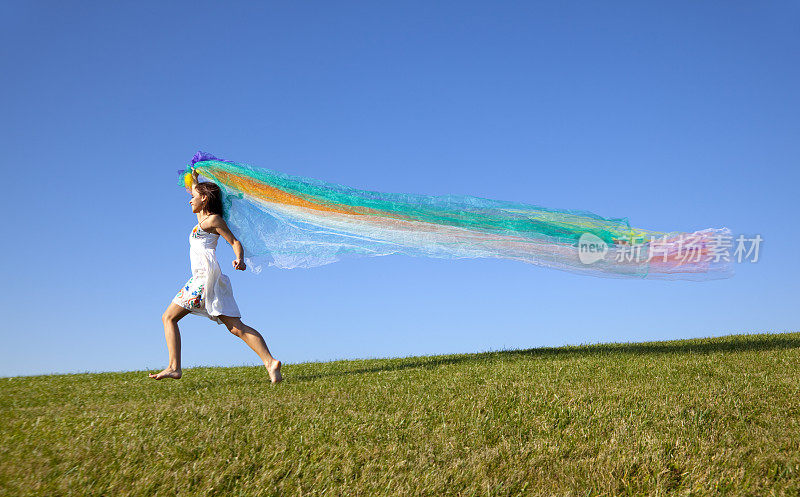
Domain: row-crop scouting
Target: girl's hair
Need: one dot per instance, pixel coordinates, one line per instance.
(213, 196)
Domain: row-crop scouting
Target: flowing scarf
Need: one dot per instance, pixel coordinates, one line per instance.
(291, 221)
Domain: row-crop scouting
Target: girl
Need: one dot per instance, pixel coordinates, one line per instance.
(208, 292)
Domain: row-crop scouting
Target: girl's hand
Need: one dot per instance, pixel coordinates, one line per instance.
(239, 264)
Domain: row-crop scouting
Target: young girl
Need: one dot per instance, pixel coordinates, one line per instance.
(208, 292)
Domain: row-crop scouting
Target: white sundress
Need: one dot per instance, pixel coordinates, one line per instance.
(208, 292)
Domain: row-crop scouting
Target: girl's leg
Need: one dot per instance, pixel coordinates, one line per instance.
(256, 342)
(170, 318)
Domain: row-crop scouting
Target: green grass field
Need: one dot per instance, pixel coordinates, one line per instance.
(691, 417)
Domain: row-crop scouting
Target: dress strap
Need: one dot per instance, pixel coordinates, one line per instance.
(200, 224)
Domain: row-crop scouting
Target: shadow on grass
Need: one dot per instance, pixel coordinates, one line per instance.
(729, 343)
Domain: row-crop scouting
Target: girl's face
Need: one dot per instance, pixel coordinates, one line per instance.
(196, 202)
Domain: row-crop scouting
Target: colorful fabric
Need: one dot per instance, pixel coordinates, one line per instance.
(291, 221)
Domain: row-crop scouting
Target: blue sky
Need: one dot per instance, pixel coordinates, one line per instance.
(679, 116)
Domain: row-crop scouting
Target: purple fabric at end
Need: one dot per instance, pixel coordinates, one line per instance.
(201, 156)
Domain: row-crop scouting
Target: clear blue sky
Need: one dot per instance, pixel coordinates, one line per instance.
(679, 115)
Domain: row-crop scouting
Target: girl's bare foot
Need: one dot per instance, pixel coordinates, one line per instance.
(167, 373)
(274, 370)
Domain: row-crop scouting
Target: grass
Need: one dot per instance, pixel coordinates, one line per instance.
(691, 417)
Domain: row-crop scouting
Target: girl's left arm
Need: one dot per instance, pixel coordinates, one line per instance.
(222, 228)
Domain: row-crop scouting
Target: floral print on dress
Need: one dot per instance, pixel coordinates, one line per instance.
(195, 233)
(191, 295)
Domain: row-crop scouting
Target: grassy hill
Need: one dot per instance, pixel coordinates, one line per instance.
(691, 417)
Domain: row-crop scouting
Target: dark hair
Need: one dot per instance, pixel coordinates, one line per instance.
(213, 196)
